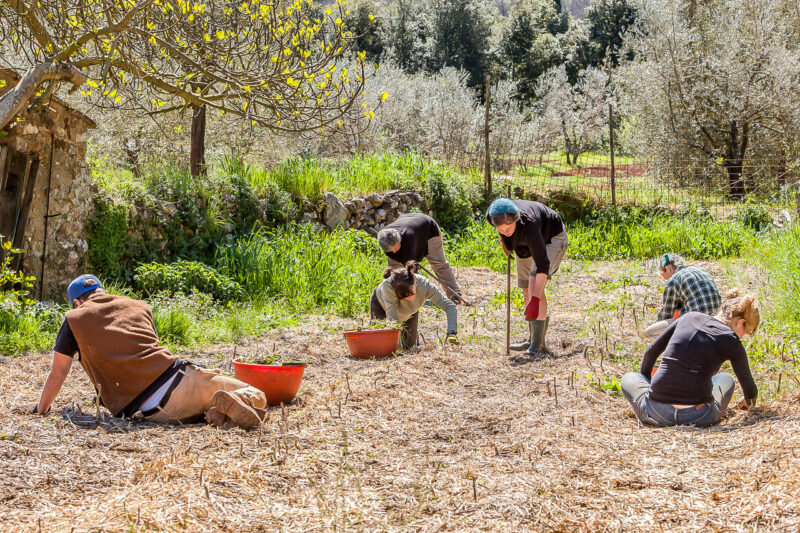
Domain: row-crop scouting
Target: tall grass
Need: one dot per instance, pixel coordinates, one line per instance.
(694, 238)
(613, 237)
(778, 255)
(306, 269)
(359, 175)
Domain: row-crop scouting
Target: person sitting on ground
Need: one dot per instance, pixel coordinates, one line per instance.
(115, 340)
(414, 237)
(401, 295)
(688, 288)
(686, 389)
(536, 235)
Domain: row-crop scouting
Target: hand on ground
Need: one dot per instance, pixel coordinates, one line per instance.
(27, 410)
(744, 404)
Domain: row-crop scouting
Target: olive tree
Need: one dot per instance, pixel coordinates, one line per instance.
(712, 80)
(576, 114)
(273, 63)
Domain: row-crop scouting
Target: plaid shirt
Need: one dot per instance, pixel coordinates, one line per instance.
(689, 289)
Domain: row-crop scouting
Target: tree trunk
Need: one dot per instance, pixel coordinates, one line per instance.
(735, 182)
(15, 100)
(734, 162)
(197, 158)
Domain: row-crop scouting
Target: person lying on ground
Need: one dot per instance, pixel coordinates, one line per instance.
(402, 294)
(686, 389)
(115, 340)
(536, 236)
(688, 288)
(414, 237)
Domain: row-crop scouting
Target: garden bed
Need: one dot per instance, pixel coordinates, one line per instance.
(451, 438)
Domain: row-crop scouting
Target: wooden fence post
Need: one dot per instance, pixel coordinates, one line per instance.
(611, 143)
(487, 165)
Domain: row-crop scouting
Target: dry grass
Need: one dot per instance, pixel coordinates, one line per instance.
(446, 439)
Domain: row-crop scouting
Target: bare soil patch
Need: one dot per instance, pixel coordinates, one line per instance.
(446, 439)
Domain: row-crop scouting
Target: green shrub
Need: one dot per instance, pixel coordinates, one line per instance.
(452, 197)
(755, 216)
(24, 325)
(186, 277)
(107, 237)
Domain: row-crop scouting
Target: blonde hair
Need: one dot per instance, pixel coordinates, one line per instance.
(735, 307)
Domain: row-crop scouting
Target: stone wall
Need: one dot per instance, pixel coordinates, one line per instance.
(63, 133)
(369, 213)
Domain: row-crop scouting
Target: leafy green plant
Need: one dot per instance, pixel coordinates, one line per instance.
(755, 216)
(107, 237)
(608, 384)
(186, 277)
(174, 325)
(24, 325)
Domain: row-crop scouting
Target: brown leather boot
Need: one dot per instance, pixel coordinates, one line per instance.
(216, 418)
(239, 413)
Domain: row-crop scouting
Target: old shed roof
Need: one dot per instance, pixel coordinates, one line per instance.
(12, 78)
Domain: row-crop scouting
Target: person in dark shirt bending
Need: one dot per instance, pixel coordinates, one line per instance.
(686, 389)
(535, 234)
(414, 237)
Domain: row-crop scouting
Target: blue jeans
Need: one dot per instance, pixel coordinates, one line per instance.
(635, 387)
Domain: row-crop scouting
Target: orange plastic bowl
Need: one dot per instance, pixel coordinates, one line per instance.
(279, 383)
(377, 343)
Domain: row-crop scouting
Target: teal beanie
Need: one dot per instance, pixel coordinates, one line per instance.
(502, 205)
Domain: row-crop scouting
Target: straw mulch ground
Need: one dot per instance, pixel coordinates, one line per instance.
(454, 439)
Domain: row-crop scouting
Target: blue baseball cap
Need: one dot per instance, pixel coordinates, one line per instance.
(81, 285)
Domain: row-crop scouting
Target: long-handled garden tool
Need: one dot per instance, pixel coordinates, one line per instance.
(458, 298)
(508, 304)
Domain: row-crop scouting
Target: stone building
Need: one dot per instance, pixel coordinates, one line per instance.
(45, 191)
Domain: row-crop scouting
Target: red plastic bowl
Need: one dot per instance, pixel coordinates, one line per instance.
(377, 343)
(279, 383)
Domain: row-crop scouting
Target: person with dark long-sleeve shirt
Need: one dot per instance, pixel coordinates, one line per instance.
(685, 388)
(535, 234)
(414, 237)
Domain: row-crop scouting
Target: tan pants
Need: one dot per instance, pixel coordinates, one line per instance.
(556, 251)
(439, 265)
(192, 397)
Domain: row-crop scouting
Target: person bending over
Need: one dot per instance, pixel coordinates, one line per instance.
(401, 295)
(414, 237)
(115, 340)
(536, 235)
(688, 288)
(686, 389)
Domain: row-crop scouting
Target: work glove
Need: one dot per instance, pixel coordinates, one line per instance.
(532, 309)
(452, 339)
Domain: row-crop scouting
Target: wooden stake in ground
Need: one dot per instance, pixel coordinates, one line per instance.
(508, 304)
(508, 292)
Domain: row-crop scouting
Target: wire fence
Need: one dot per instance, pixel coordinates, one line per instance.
(538, 164)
